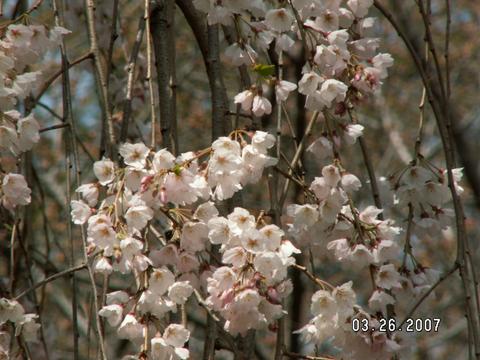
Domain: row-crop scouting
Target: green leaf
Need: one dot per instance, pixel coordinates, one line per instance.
(177, 169)
(264, 69)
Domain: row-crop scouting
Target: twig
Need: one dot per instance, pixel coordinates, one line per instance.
(445, 129)
(46, 85)
(173, 73)
(306, 357)
(54, 127)
(32, 8)
(202, 303)
(297, 156)
(407, 250)
(132, 64)
(245, 81)
(370, 170)
(428, 292)
(24, 246)
(100, 75)
(275, 205)
(425, 13)
(72, 149)
(323, 284)
(163, 53)
(303, 36)
(113, 37)
(447, 47)
(12, 253)
(50, 279)
(292, 178)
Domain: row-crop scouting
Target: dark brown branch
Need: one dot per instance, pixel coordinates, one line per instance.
(159, 24)
(54, 127)
(207, 40)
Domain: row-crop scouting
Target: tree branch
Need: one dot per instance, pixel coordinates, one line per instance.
(50, 279)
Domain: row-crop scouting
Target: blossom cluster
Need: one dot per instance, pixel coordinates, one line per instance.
(26, 326)
(365, 242)
(423, 186)
(155, 188)
(249, 289)
(133, 315)
(333, 310)
(21, 47)
(18, 134)
(342, 66)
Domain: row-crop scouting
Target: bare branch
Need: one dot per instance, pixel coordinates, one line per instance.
(100, 76)
(132, 64)
(50, 279)
(297, 156)
(427, 293)
(155, 30)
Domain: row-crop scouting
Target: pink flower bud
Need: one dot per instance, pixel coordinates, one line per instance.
(145, 183)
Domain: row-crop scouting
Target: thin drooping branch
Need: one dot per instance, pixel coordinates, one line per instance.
(113, 38)
(323, 284)
(445, 129)
(394, 135)
(427, 293)
(153, 111)
(101, 77)
(68, 182)
(245, 81)
(63, 125)
(275, 204)
(297, 156)
(447, 48)
(67, 138)
(367, 160)
(131, 67)
(171, 7)
(13, 237)
(72, 150)
(432, 48)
